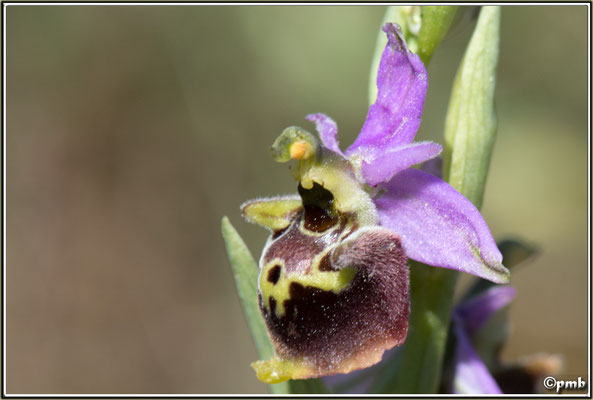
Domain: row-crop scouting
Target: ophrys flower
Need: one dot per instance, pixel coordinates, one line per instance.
(333, 283)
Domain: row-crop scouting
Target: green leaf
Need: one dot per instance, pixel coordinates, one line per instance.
(246, 272)
(470, 126)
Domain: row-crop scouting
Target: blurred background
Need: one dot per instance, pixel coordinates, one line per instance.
(131, 131)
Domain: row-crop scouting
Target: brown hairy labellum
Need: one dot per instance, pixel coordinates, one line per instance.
(333, 293)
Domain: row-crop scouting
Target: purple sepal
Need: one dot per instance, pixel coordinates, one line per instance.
(386, 165)
(474, 312)
(395, 117)
(439, 226)
(328, 131)
(471, 376)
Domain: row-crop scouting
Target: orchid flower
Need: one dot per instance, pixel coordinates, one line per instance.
(334, 281)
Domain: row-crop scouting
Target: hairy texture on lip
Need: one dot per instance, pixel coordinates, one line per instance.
(329, 332)
(296, 248)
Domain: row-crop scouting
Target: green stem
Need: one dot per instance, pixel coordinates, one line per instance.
(469, 137)
(431, 292)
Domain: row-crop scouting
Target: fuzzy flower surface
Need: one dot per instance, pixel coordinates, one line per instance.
(334, 282)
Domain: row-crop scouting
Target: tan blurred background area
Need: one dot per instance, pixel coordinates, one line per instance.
(131, 131)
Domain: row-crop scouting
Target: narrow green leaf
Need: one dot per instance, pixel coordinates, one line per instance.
(470, 126)
(246, 272)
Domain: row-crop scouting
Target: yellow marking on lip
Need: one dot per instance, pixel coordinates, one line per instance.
(334, 281)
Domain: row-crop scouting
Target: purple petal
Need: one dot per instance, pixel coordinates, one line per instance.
(395, 117)
(477, 310)
(438, 226)
(471, 376)
(328, 131)
(389, 163)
